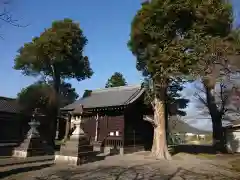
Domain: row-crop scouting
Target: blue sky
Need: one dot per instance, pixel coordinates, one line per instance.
(105, 23)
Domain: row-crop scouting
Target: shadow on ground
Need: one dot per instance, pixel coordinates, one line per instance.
(19, 170)
(193, 149)
(19, 161)
(140, 172)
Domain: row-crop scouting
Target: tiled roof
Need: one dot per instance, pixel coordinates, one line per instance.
(109, 97)
(9, 105)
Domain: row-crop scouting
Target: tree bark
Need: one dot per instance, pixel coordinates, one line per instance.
(216, 116)
(159, 148)
(218, 136)
(56, 81)
(166, 120)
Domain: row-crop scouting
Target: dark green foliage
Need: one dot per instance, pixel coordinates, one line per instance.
(116, 80)
(170, 37)
(86, 93)
(38, 95)
(174, 139)
(42, 95)
(57, 52)
(174, 101)
(179, 38)
(67, 94)
(155, 38)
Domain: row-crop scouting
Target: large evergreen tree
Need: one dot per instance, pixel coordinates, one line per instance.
(169, 38)
(116, 80)
(155, 42)
(57, 53)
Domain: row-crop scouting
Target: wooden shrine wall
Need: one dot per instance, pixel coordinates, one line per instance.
(107, 129)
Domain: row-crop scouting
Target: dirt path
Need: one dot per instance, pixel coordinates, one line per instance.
(128, 167)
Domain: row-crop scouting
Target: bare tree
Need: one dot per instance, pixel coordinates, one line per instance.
(227, 98)
(6, 16)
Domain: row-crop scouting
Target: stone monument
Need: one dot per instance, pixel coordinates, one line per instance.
(33, 145)
(77, 148)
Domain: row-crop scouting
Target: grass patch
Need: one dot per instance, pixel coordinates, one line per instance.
(235, 165)
(4, 157)
(59, 142)
(200, 155)
(206, 156)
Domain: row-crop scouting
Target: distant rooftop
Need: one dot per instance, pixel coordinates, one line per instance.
(9, 105)
(177, 125)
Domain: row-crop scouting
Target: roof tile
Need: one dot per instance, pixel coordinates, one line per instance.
(108, 97)
(9, 105)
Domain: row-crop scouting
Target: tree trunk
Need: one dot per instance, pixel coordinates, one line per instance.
(159, 148)
(218, 136)
(166, 121)
(56, 81)
(216, 116)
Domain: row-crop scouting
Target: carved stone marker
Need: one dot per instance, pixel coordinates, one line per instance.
(33, 145)
(77, 148)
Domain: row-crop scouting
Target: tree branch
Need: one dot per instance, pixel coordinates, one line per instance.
(149, 119)
(7, 17)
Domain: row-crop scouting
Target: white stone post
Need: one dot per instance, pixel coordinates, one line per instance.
(73, 119)
(96, 130)
(78, 130)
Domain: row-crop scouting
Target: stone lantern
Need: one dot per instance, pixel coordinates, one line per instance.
(76, 150)
(33, 145)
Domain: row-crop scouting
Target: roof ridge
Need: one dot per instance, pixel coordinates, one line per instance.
(6, 98)
(116, 88)
(135, 94)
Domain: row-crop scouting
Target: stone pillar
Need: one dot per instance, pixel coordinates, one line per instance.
(33, 145)
(77, 148)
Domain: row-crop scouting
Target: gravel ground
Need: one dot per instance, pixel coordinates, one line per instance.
(128, 167)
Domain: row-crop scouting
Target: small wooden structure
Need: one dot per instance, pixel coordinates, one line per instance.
(14, 124)
(232, 137)
(113, 119)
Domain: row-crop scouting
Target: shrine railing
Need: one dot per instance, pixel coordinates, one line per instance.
(113, 141)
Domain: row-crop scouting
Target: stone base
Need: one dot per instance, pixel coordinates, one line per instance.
(121, 151)
(74, 147)
(97, 146)
(70, 160)
(18, 153)
(32, 147)
(107, 150)
(75, 151)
